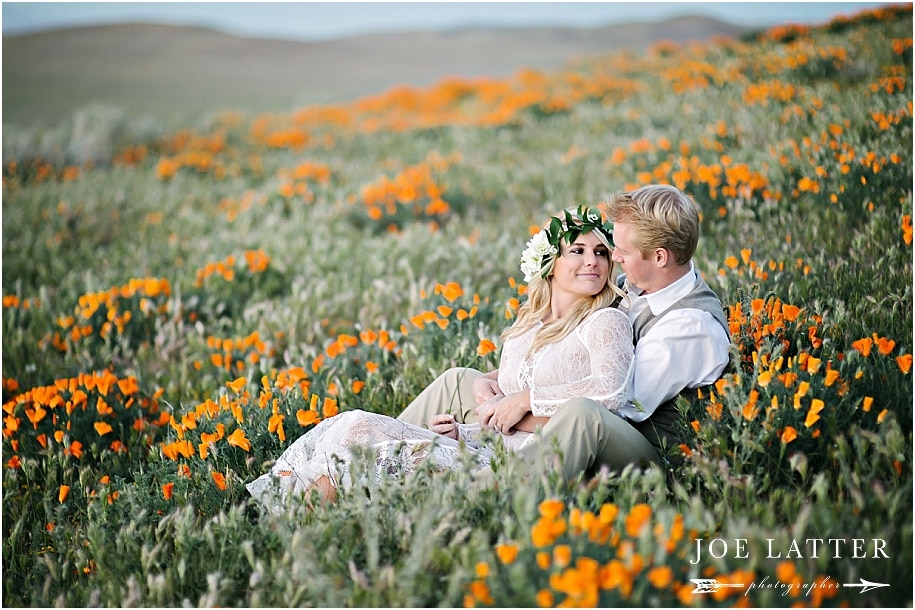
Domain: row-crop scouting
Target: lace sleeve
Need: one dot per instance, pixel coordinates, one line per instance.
(607, 365)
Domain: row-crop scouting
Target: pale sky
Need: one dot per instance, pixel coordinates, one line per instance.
(323, 20)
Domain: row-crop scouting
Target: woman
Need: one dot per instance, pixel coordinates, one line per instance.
(566, 342)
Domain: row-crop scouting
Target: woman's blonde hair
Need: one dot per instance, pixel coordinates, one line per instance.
(537, 305)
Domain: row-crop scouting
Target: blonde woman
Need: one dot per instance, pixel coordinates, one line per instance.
(567, 342)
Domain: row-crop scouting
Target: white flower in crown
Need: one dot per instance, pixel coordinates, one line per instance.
(532, 258)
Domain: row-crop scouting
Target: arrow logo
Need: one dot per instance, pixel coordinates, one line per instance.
(866, 585)
(710, 585)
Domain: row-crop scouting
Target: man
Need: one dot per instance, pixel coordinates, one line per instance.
(681, 342)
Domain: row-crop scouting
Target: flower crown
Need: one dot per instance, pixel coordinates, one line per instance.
(543, 247)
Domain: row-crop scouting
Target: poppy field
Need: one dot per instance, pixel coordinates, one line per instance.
(177, 313)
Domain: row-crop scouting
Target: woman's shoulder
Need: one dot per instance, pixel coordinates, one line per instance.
(605, 318)
(608, 315)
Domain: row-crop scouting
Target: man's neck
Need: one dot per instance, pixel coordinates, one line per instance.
(668, 276)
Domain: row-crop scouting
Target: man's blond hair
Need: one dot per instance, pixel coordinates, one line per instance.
(661, 216)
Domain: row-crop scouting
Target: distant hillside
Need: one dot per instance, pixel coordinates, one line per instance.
(176, 73)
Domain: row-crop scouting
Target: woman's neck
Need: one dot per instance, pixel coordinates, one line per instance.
(559, 307)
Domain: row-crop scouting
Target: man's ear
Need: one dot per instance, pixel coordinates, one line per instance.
(662, 257)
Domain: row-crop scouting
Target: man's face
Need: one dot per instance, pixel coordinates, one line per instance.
(640, 272)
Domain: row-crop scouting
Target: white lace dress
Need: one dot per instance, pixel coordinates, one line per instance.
(595, 360)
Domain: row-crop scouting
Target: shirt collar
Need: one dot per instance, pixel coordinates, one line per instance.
(662, 299)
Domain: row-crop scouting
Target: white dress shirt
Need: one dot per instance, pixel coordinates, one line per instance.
(687, 348)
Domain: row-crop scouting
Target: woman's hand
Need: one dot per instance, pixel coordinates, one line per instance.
(444, 424)
(485, 410)
(486, 387)
(502, 413)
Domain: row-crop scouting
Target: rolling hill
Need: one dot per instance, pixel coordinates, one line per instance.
(173, 74)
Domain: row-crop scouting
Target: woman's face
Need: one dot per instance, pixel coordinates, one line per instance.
(582, 267)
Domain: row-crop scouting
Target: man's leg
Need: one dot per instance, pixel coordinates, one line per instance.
(451, 392)
(589, 436)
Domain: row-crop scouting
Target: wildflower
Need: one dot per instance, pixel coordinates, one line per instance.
(238, 439)
(885, 346)
(789, 434)
(813, 414)
(813, 365)
(637, 519)
(167, 490)
(507, 553)
(102, 428)
(905, 363)
(562, 555)
(76, 449)
(551, 508)
(451, 291)
(864, 346)
(480, 592)
(545, 598)
(220, 480)
(62, 494)
(544, 561)
(330, 407)
(660, 577)
(546, 530)
(485, 347)
(867, 403)
(306, 418)
(238, 385)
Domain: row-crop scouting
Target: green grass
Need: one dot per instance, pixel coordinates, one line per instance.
(797, 146)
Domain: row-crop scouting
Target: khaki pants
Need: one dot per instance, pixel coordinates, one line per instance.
(451, 392)
(589, 437)
(585, 432)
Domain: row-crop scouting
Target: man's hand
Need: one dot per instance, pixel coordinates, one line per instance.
(486, 387)
(444, 424)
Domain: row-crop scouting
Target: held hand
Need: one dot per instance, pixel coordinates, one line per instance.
(509, 411)
(444, 424)
(485, 410)
(484, 388)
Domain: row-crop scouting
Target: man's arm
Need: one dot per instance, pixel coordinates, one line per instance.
(685, 349)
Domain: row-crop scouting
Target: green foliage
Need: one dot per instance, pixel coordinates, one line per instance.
(173, 320)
